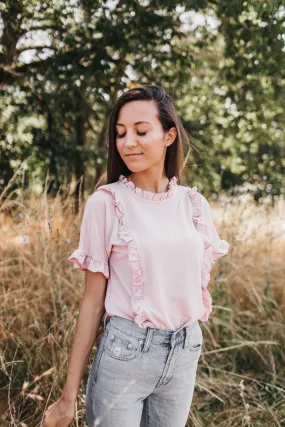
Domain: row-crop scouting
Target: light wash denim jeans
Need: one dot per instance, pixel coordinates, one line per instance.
(142, 377)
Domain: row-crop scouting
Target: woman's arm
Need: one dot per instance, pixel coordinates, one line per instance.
(90, 316)
(91, 311)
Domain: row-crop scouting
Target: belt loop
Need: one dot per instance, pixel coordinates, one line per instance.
(106, 319)
(185, 342)
(174, 335)
(148, 339)
(188, 331)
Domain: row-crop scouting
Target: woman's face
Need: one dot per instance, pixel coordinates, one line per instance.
(139, 131)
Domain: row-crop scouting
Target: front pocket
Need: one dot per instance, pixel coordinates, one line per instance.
(195, 340)
(195, 347)
(122, 346)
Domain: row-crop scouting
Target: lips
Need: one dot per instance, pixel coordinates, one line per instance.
(134, 155)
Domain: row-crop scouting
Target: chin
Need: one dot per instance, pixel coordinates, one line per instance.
(136, 169)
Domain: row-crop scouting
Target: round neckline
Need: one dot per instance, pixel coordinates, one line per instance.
(150, 196)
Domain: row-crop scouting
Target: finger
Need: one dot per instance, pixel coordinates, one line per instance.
(48, 423)
(51, 406)
(63, 422)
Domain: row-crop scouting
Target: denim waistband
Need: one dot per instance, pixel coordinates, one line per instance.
(155, 335)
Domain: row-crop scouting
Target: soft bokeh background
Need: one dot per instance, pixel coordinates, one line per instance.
(62, 66)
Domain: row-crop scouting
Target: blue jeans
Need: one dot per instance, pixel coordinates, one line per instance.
(142, 377)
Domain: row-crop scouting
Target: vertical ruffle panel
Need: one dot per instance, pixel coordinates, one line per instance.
(208, 251)
(137, 288)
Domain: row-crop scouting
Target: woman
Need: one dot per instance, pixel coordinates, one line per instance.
(155, 242)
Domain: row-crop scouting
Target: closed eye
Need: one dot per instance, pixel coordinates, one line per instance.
(123, 134)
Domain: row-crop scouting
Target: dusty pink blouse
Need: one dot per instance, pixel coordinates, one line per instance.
(155, 249)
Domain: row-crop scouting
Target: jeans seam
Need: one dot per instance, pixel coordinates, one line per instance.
(165, 381)
(147, 413)
(125, 332)
(179, 348)
(94, 378)
(96, 368)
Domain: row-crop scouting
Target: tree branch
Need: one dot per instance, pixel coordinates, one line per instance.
(23, 49)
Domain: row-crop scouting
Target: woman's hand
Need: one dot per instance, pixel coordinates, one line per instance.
(59, 413)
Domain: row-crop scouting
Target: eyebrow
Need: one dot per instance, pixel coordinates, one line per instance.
(137, 123)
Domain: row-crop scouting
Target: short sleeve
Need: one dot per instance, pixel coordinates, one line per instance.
(220, 247)
(94, 247)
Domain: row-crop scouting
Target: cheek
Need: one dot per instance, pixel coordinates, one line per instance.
(119, 146)
(153, 144)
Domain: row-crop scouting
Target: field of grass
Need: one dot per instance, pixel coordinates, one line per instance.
(241, 375)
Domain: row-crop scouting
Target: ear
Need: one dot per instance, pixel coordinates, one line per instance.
(170, 136)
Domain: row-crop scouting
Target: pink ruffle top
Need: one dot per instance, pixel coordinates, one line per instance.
(155, 249)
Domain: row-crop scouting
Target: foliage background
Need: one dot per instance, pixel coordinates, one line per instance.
(63, 64)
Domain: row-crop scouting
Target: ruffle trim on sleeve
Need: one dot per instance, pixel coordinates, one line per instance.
(85, 262)
(137, 288)
(211, 254)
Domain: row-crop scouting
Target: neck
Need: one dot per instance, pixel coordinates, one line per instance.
(154, 186)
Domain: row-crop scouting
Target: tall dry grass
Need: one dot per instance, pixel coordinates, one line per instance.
(240, 378)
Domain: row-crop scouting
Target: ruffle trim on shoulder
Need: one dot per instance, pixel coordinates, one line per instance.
(85, 262)
(137, 289)
(150, 195)
(211, 254)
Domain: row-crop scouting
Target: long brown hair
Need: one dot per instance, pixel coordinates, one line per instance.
(168, 117)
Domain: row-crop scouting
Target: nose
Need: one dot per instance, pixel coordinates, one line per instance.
(130, 142)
